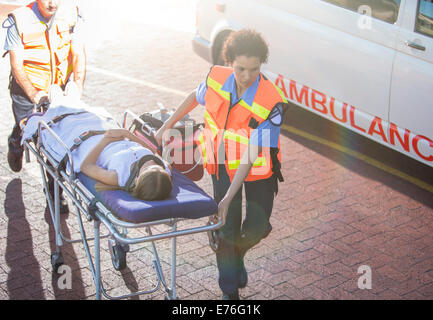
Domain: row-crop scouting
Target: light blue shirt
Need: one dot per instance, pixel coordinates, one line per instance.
(13, 40)
(266, 134)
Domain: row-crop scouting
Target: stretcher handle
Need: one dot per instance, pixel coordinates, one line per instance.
(148, 130)
(145, 127)
(43, 125)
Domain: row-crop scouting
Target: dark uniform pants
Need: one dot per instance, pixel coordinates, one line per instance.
(237, 237)
(22, 107)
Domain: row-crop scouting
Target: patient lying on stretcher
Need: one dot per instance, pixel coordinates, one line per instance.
(113, 156)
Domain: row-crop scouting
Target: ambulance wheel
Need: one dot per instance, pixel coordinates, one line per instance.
(169, 296)
(118, 257)
(218, 50)
(56, 261)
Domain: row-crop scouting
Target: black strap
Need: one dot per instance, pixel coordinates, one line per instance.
(92, 208)
(276, 164)
(130, 184)
(4, 26)
(62, 116)
(77, 142)
(276, 168)
(84, 136)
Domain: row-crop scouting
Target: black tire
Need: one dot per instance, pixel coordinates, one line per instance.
(56, 261)
(219, 58)
(118, 257)
(214, 240)
(169, 296)
(218, 54)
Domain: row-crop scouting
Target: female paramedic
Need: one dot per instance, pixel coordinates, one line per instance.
(239, 146)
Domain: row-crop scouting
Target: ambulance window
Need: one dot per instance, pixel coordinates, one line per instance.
(385, 10)
(424, 19)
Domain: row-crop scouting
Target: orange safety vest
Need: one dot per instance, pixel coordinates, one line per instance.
(232, 127)
(47, 53)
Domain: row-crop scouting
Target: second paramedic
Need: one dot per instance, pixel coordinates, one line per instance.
(240, 148)
(44, 49)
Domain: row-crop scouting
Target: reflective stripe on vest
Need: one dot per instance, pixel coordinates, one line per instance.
(234, 128)
(229, 135)
(260, 162)
(212, 125)
(257, 109)
(202, 148)
(47, 53)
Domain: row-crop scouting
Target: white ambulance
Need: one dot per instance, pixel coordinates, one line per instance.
(364, 64)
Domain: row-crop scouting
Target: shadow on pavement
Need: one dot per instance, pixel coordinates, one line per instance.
(130, 282)
(24, 279)
(70, 260)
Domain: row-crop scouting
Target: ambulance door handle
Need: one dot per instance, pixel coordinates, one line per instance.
(414, 45)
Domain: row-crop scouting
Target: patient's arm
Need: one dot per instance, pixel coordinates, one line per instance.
(124, 133)
(94, 171)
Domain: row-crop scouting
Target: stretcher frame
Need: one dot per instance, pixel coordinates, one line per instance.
(88, 206)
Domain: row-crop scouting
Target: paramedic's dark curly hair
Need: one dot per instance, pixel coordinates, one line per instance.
(245, 42)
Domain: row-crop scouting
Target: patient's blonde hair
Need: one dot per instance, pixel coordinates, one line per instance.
(154, 183)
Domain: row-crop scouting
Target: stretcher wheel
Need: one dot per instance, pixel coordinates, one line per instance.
(214, 240)
(56, 261)
(118, 257)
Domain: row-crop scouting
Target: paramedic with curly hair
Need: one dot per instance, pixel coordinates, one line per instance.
(240, 148)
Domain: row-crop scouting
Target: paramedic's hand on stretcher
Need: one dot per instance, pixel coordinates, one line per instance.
(223, 208)
(40, 97)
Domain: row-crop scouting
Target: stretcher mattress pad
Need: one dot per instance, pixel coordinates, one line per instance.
(187, 200)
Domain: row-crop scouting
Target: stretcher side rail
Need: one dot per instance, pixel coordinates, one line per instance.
(144, 126)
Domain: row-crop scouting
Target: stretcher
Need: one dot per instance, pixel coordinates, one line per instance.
(120, 213)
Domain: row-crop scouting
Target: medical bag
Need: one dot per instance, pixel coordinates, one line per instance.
(182, 147)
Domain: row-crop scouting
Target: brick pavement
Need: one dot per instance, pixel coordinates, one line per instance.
(329, 218)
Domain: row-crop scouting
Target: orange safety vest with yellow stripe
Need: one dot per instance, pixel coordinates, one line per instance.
(232, 126)
(47, 52)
